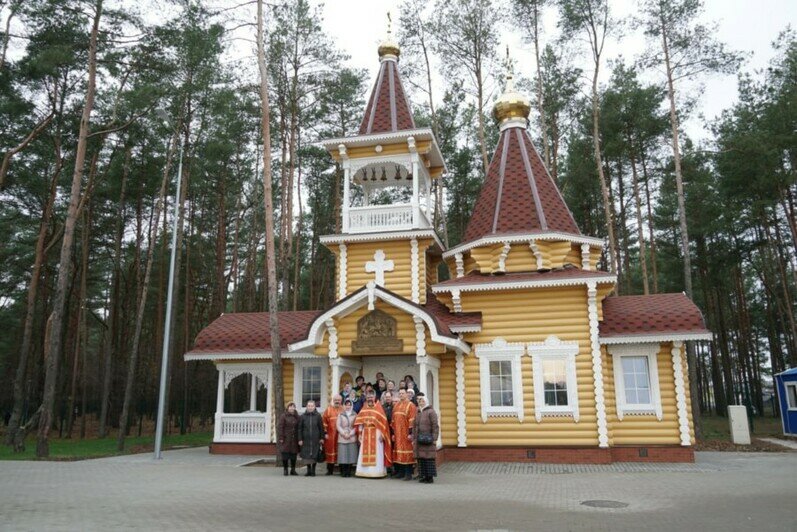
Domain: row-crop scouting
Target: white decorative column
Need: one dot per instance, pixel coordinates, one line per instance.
(462, 439)
(502, 257)
(219, 407)
(415, 160)
(346, 194)
(414, 273)
(680, 394)
(537, 253)
(420, 353)
(585, 257)
(342, 274)
(460, 264)
(456, 299)
(597, 365)
(333, 355)
(252, 392)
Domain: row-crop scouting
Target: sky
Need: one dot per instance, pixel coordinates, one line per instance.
(357, 26)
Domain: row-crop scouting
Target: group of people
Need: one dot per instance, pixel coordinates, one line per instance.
(369, 430)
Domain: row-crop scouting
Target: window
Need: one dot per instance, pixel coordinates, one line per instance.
(636, 379)
(501, 383)
(554, 370)
(309, 383)
(791, 395)
(555, 382)
(500, 378)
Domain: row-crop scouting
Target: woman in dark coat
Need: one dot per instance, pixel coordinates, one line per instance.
(426, 424)
(288, 437)
(311, 437)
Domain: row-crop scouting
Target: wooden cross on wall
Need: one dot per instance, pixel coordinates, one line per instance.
(379, 266)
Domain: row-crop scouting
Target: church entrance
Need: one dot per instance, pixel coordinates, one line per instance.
(393, 367)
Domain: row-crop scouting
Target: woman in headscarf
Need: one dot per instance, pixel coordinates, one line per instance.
(288, 437)
(424, 436)
(311, 437)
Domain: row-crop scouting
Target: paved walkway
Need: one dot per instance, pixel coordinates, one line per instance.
(191, 490)
(783, 443)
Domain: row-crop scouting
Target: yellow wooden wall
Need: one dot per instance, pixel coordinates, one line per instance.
(399, 280)
(531, 315)
(448, 399)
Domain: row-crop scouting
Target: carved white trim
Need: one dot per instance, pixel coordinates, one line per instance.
(656, 338)
(554, 349)
(259, 355)
(502, 257)
(456, 300)
(597, 365)
(377, 236)
(462, 429)
(420, 337)
(342, 273)
(650, 351)
(519, 238)
(500, 350)
(585, 257)
(465, 328)
(333, 338)
(460, 264)
(369, 296)
(535, 249)
(680, 394)
(514, 285)
(415, 274)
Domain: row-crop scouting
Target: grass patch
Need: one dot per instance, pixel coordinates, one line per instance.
(717, 428)
(76, 449)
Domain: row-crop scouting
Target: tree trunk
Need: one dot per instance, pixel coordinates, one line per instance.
(643, 259)
(81, 320)
(30, 308)
(596, 144)
(54, 346)
(651, 234)
(271, 272)
(114, 345)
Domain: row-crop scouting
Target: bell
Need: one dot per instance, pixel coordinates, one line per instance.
(384, 175)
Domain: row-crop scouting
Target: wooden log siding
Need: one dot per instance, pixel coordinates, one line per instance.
(531, 315)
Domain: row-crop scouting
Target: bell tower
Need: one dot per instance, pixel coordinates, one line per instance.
(387, 208)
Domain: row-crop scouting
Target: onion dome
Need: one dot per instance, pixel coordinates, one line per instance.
(511, 105)
(389, 46)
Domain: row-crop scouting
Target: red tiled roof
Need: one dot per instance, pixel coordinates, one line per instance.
(447, 318)
(388, 108)
(651, 314)
(519, 195)
(567, 272)
(248, 332)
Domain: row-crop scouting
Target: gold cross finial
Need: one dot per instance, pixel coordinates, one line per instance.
(510, 85)
(389, 24)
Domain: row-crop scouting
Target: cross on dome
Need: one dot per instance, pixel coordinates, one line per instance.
(379, 266)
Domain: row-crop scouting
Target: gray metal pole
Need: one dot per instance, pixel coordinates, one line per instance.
(168, 324)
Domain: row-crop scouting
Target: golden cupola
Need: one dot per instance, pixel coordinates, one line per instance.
(389, 46)
(511, 105)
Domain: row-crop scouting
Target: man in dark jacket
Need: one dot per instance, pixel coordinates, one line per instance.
(311, 437)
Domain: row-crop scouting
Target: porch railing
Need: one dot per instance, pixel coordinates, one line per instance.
(243, 428)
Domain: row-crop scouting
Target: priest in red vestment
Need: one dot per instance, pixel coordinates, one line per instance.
(402, 422)
(374, 432)
(330, 421)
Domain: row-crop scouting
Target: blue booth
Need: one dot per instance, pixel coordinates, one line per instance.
(786, 384)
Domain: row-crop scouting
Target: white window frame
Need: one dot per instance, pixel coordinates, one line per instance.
(298, 367)
(650, 351)
(499, 350)
(554, 349)
(786, 386)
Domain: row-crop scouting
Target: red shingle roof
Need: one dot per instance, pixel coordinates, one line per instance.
(388, 108)
(519, 195)
(651, 314)
(447, 318)
(567, 272)
(248, 332)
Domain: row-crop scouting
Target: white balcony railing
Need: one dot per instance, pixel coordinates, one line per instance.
(375, 218)
(243, 428)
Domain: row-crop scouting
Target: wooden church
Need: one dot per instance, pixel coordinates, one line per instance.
(523, 352)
